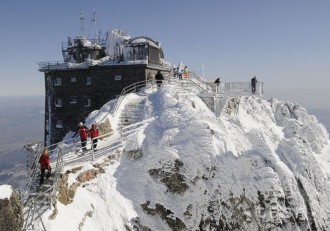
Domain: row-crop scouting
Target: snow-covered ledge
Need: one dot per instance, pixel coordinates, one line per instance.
(5, 191)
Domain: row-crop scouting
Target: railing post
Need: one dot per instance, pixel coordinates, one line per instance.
(50, 200)
(92, 148)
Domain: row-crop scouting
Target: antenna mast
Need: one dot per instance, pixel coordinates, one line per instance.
(81, 23)
(95, 26)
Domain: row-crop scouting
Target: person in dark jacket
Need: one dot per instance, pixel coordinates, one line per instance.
(159, 79)
(83, 132)
(94, 133)
(217, 84)
(253, 84)
(44, 164)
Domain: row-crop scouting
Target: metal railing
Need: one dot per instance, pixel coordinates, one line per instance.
(38, 202)
(54, 65)
(129, 89)
(242, 88)
(229, 88)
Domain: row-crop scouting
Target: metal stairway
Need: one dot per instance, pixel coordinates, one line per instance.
(37, 199)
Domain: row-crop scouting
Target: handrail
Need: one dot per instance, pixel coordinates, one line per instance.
(33, 170)
(33, 203)
(130, 88)
(201, 83)
(242, 87)
(89, 142)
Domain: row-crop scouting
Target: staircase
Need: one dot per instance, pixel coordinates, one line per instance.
(182, 88)
(132, 112)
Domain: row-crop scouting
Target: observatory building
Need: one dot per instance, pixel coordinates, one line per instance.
(93, 72)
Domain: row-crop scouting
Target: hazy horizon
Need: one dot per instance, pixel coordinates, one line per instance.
(21, 122)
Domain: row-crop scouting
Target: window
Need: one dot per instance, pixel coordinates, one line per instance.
(49, 80)
(59, 124)
(57, 81)
(88, 80)
(73, 100)
(87, 102)
(117, 77)
(58, 102)
(73, 79)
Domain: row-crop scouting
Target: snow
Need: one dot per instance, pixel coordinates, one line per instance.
(267, 147)
(99, 201)
(5, 191)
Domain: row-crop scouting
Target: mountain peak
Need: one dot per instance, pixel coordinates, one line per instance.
(258, 164)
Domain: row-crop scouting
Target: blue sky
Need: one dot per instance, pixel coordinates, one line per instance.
(285, 43)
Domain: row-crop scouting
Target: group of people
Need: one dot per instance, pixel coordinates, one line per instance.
(84, 133)
(181, 74)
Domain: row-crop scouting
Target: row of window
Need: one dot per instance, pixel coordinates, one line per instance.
(88, 80)
(73, 100)
(58, 81)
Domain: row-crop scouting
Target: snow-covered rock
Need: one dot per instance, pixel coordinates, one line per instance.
(11, 217)
(262, 165)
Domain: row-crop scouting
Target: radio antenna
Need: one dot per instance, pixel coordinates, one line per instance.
(95, 25)
(81, 23)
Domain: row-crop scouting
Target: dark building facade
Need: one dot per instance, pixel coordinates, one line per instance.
(92, 74)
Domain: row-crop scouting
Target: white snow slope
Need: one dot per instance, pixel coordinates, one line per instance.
(263, 166)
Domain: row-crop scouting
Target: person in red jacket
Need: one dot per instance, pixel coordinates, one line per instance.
(83, 132)
(94, 133)
(44, 164)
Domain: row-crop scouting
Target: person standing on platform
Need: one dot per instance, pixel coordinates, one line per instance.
(83, 132)
(94, 133)
(44, 165)
(185, 72)
(254, 84)
(159, 79)
(217, 84)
